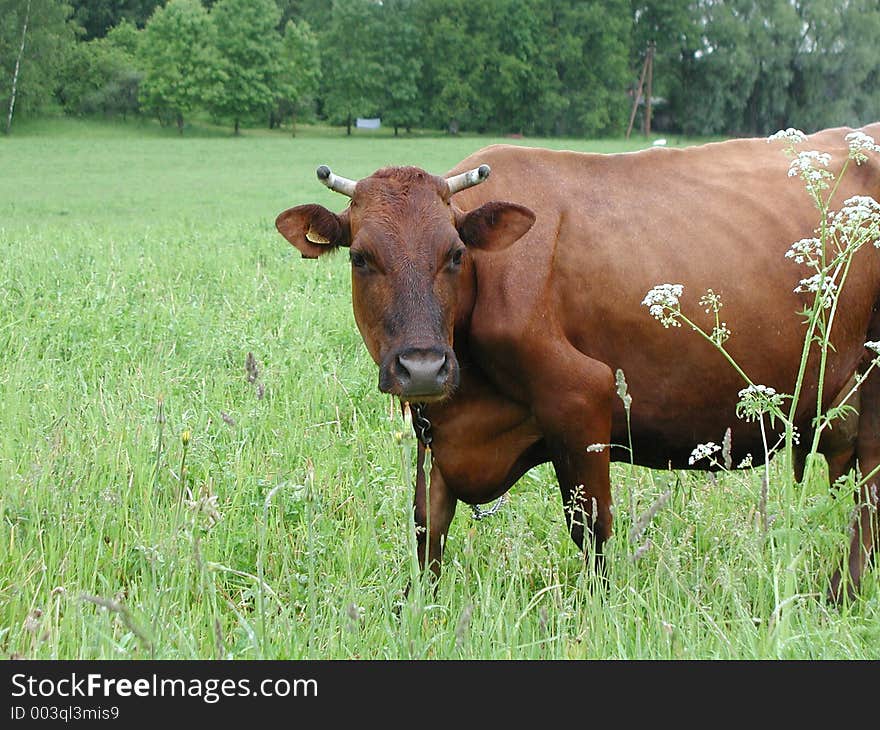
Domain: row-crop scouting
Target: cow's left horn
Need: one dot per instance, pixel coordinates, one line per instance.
(335, 182)
(468, 179)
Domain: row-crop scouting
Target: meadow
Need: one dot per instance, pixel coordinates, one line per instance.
(195, 461)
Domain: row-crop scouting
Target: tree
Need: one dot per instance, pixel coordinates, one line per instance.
(100, 76)
(351, 72)
(593, 65)
(103, 75)
(249, 48)
(300, 69)
(97, 17)
(401, 65)
(836, 73)
(452, 55)
(179, 61)
(314, 12)
(17, 68)
(35, 38)
(755, 66)
(126, 37)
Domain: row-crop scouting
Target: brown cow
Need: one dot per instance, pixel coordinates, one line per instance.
(509, 325)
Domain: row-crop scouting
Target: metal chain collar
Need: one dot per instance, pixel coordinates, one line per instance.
(422, 424)
(423, 430)
(478, 513)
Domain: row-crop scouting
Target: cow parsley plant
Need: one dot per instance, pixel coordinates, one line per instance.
(859, 145)
(821, 284)
(790, 135)
(806, 251)
(755, 400)
(662, 302)
(703, 451)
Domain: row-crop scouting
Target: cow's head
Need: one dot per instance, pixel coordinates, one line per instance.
(408, 246)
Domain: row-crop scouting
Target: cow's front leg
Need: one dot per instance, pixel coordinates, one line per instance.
(586, 496)
(432, 525)
(574, 416)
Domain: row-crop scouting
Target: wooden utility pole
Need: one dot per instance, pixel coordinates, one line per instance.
(647, 72)
(27, 15)
(650, 82)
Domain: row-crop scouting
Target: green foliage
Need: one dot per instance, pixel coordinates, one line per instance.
(530, 67)
(49, 40)
(401, 65)
(755, 66)
(593, 66)
(180, 61)
(97, 17)
(249, 50)
(299, 70)
(351, 62)
(534, 77)
(126, 37)
(452, 56)
(836, 82)
(314, 12)
(102, 75)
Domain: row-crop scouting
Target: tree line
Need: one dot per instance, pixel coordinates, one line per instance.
(533, 67)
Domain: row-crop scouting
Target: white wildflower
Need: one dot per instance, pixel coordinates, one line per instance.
(662, 302)
(710, 301)
(856, 222)
(720, 334)
(807, 250)
(821, 283)
(859, 144)
(808, 166)
(596, 448)
(703, 451)
(756, 400)
(807, 160)
(745, 463)
(765, 390)
(791, 135)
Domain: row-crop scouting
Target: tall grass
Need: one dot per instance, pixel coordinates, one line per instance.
(137, 275)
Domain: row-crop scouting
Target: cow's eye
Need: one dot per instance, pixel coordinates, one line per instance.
(358, 260)
(455, 258)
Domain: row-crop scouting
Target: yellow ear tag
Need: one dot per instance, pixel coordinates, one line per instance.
(316, 237)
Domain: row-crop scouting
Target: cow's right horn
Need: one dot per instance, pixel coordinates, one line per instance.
(468, 179)
(335, 182)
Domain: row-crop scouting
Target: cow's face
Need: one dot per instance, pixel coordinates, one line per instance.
(408, 247)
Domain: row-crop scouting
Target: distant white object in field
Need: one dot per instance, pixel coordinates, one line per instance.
(374, 123)
(659, 142)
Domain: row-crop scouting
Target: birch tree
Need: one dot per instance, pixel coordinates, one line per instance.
(35, 36)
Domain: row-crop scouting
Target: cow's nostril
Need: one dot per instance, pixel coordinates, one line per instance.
(422, 372)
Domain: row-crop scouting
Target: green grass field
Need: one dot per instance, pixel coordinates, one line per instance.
(138, 270)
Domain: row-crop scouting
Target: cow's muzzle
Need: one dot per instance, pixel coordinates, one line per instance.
(420, 374)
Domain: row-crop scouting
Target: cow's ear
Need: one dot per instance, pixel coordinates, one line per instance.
(495, 225)
(314, 230)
